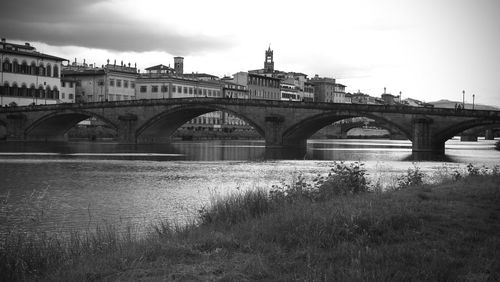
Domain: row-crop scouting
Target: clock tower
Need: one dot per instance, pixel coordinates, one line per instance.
(269, 63)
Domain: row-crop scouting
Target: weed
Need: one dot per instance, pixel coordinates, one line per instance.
(456, 175)
(413, 177)
(472, 170)
(236, 207)
(298, 189)
(496, 170)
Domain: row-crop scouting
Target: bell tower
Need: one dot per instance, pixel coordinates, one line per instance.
(179, 65)
(269, 63)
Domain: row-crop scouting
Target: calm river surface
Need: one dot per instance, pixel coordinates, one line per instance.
(76, 185)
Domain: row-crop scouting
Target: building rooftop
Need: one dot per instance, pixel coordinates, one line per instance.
(199, 75)
(26, 50)
(159, 67)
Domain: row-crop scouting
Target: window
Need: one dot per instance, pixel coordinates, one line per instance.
(125, 83)
(132, 84)
(143, 89)
(62, 95)
(154, 88)
(100, 82)
(173, 88)
(164, 88)
(111, 82)
(7, 66)
(205, 92)
(63, 84)
(209, 92)
(185, 90)
(70, 96)
(33, 69)
(56, 72)
(118, 83)
(15, 66)
(179, 89)
(190, 90)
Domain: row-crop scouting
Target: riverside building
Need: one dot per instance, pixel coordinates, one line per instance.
(259, 86)
(110, 82)
(28, 76)
(326, 90)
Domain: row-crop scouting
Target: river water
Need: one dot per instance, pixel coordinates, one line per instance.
(60, 187)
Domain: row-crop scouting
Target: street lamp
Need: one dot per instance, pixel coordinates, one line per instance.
(463, 99)
(37, 73)
(3, 88)
(473, 98)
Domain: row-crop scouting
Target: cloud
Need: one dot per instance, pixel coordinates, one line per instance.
(93, 24)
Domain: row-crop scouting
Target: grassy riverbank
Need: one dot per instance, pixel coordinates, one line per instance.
(444, 232)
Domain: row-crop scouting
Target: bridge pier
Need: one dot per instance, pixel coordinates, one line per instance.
(422, 138)
(489, 134)
(126, 129)
(15, 126)
(274, 131)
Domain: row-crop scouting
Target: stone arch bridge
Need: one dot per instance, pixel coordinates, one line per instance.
(282, 124)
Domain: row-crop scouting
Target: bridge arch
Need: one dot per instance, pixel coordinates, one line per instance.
(301, 131)
(160, 127)
(392, 131)
(460, 127)
(53, 126)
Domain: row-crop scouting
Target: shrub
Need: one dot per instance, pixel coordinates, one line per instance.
(413, 177)
(342, 180)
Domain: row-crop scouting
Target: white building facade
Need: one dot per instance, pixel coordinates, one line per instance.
(28, 76)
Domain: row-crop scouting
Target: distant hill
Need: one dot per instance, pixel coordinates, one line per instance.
(451, 104)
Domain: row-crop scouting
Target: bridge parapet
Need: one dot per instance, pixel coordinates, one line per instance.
(260, 103)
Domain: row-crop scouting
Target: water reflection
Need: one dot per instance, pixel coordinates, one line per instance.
(220, 150)
(428, 156)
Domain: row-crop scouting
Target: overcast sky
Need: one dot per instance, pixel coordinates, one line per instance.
(428, 49)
